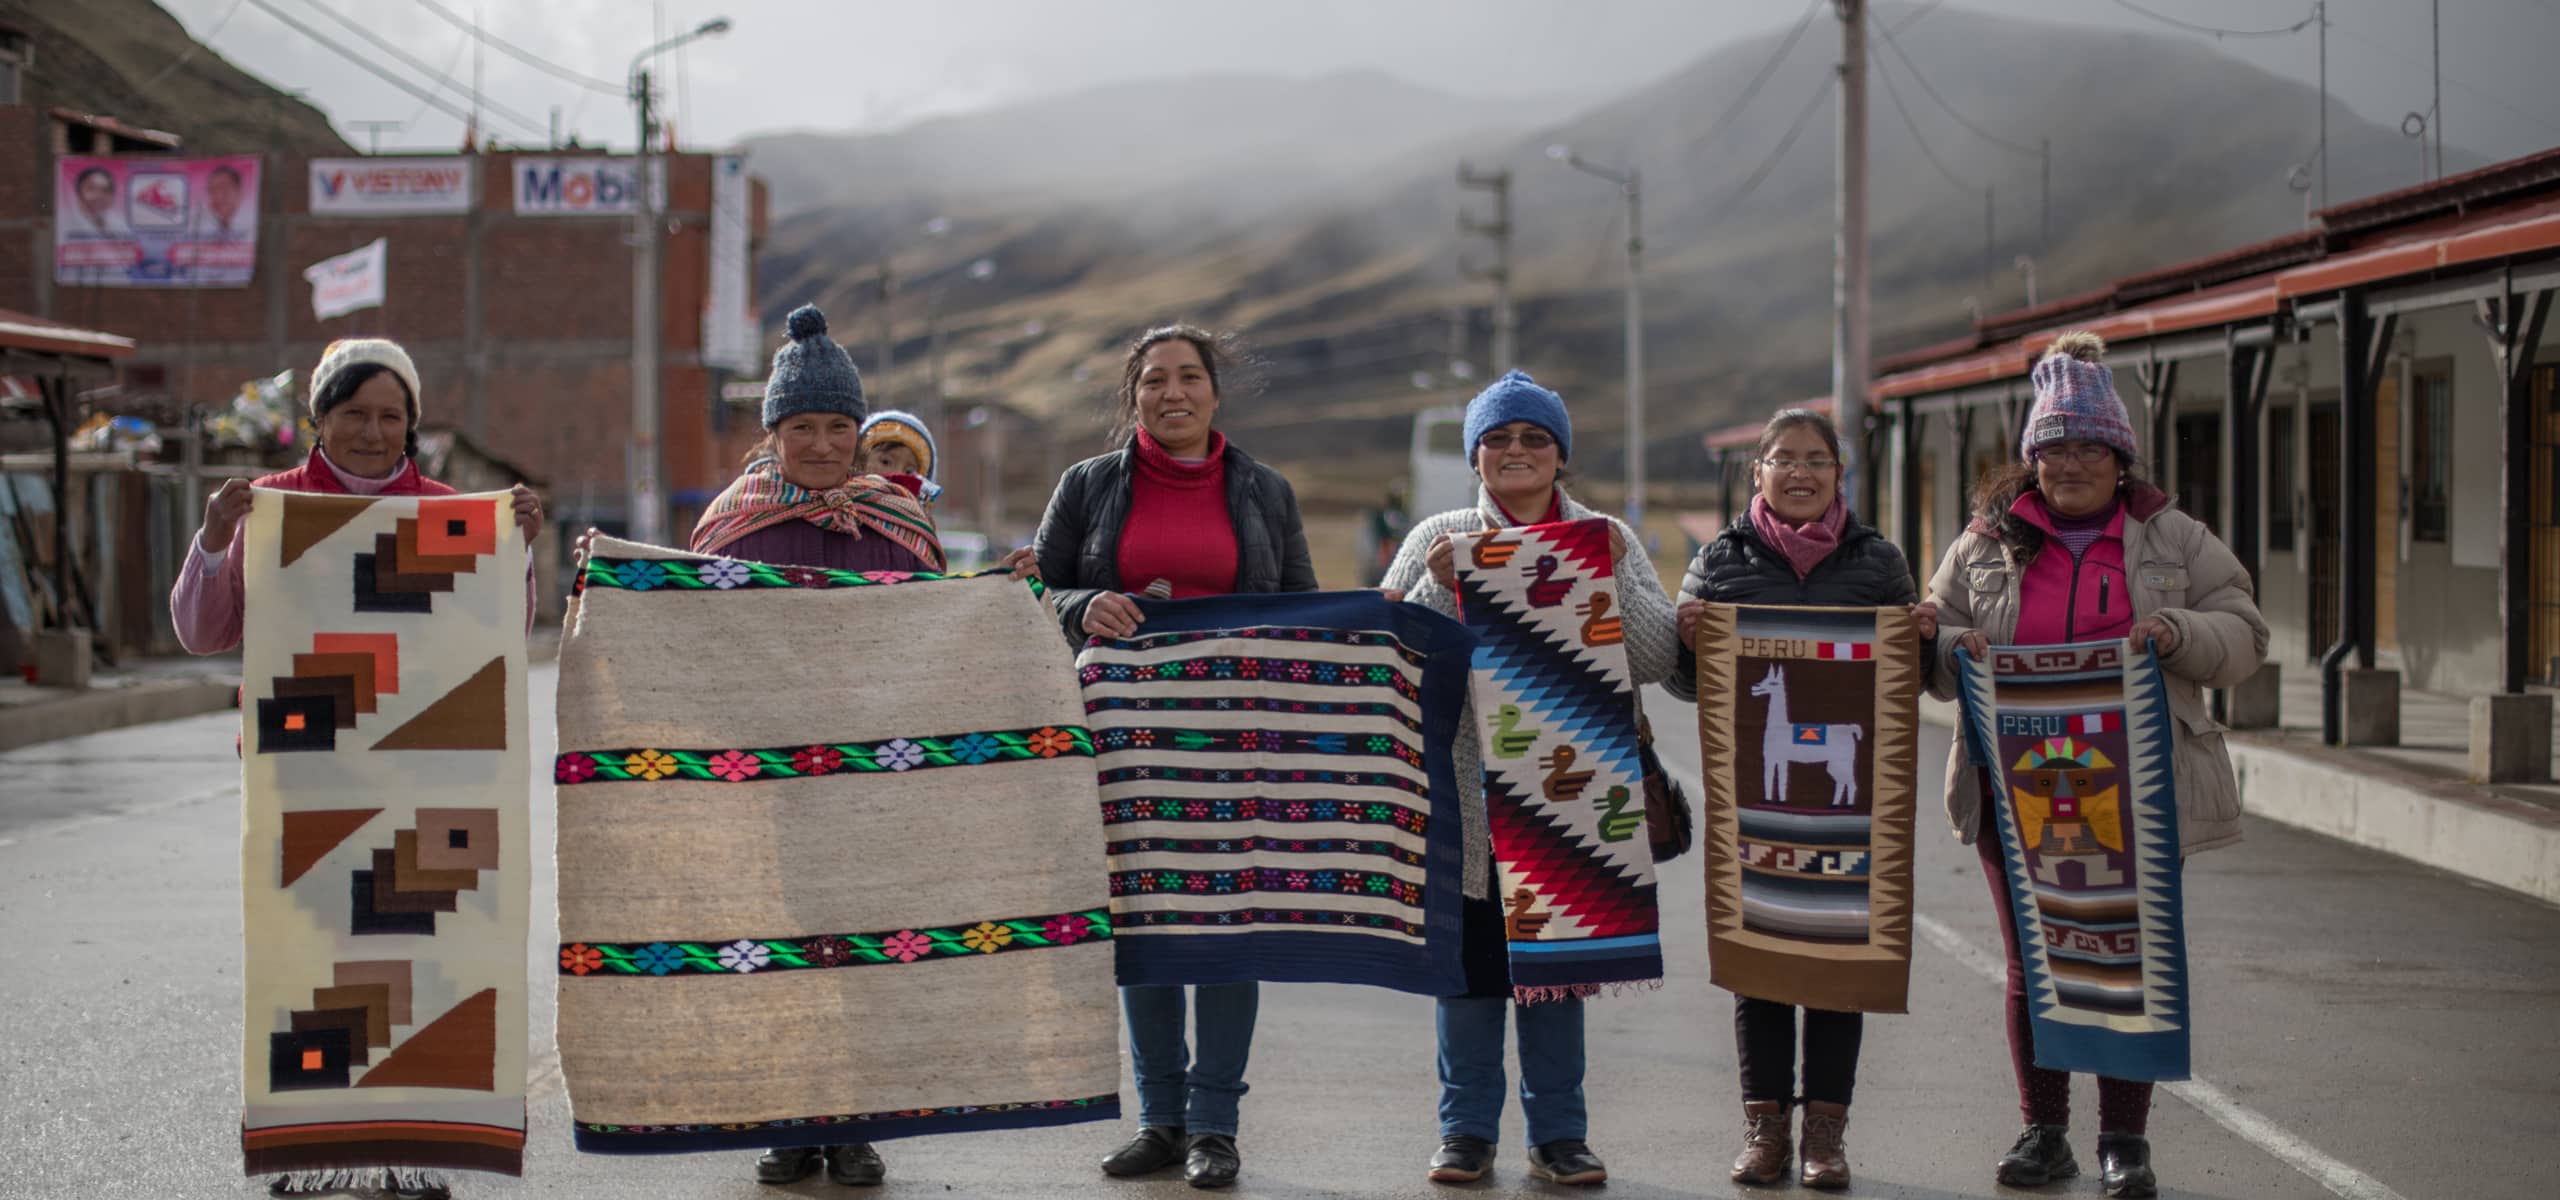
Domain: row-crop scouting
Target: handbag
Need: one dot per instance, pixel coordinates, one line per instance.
(1667, 819)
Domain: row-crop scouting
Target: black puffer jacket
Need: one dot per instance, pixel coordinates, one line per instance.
(1866, 571)
(1079, 540)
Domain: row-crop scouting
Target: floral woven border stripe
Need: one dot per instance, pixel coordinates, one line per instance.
(385, 875)
(855, 873)
(1274, 808)
(1564, 793)
(1808, 725)
(2078, 741)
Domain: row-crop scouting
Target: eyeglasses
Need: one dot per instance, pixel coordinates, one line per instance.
(1811, 466)
(1530, 439)
(2087, 454)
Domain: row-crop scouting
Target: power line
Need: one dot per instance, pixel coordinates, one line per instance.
(1913, 17)
(411, 61)
(1895, 94)
(526, 57)
(2214, 31)
(1949, 109)
(430, 97)
(2543, 119)
(1761, 172)
(1749, 90)
(144, 88)
(449, 65)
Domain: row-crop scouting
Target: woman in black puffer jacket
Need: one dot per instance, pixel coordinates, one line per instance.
(1798, 546)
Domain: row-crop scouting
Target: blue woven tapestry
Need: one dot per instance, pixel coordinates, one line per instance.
(2076, 741)
(1276, 790)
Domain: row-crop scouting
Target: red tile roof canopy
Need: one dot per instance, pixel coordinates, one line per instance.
(36, 335)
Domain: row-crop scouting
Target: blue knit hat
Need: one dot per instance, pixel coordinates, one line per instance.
(904, 429)
(1516, 397)
(2076, 399)
(811, 373)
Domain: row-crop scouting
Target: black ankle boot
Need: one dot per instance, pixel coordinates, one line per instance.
(2124, 1165)
(1212, 1161)
(1155, 1148)
(2041, 1156)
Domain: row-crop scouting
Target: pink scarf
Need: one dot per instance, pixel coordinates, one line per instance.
(1804, 545)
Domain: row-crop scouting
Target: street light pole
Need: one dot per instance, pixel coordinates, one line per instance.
(1631, 185)
(645, 518)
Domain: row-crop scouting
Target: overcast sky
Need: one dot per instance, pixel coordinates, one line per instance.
(876, 64)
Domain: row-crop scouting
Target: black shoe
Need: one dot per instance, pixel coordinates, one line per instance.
(1212, 1161)
(855, 1164)
(788, 1164)
(1155, 1148)
(2124, 1165)
(2042, 1156)
(1566, 1160)
(1463, 1158)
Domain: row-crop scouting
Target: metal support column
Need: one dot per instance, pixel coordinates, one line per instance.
(2362, 343)
(2515, 325)
(1907, 460)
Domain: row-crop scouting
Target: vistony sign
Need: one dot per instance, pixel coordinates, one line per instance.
(391, 187)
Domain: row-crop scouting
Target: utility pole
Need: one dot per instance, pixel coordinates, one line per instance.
(886, 338)
(373, 132)
(2435, 58)
(2320, 13)
(1849, 254)
(1990, 244)
(2044, 190)
(1498, 182)
(1631, 185)
(646, 519)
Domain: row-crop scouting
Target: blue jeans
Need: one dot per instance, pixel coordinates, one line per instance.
(1471, 1083)
(1197, 1093)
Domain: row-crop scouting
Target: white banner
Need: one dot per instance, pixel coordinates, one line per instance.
(579, 187)
(348, 282)
(385, 187)
(728, 311)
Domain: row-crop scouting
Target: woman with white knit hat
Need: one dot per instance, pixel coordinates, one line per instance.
(2045, 562)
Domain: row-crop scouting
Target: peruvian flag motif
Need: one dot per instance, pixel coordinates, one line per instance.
(2104, 722)
(1845, 650)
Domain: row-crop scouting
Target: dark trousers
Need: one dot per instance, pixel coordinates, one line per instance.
(2044, 1096)
(1764, 1037)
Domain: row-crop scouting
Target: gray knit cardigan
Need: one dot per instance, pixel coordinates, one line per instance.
(1652, 641)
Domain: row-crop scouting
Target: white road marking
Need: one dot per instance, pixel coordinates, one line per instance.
(2247, 1123)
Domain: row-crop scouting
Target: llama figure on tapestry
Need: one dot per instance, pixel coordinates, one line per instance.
(1784, 744)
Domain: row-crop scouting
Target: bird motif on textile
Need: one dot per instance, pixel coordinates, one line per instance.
(1546, 591)
(1562, 782)
(1509, 740)
(1521, 924)
(1598, 627)
(1491, 552)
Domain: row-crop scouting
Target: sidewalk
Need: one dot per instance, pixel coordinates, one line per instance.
(2415, 800)
(147, 690)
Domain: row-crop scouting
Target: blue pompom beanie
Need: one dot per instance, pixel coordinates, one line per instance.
(811, 373)
(1516, 397)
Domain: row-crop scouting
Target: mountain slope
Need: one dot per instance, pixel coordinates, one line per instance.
(130, 60)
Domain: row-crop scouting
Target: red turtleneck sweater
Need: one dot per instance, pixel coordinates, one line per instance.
(1178, 528)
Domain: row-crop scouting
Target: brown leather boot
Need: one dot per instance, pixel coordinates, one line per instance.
(1825, 1158)
(1765, 1142)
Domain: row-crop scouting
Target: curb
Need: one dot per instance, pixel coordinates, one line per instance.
(2377, 804)
(112, 708)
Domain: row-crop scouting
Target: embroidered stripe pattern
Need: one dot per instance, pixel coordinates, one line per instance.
(1401, 714)
(1226, 668)
(1248, 917)
(723, 574)
(749, 956)
(1249, 843)
(1279, 633)
(648, 765)
(1266, 879)
(1296, 812)
(1257, 741)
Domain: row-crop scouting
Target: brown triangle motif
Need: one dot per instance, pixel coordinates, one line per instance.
(470, 717)
(308, 519)
(309, 835)
(458, 1050)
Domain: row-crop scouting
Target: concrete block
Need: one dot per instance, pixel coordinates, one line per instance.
(2370, 701)
(2258, 702)
(62, 658)
(2511, 738)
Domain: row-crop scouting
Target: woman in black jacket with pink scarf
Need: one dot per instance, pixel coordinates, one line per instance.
(1799, 546)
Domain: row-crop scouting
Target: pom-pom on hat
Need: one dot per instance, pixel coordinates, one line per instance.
(346, 353)
(811, 373)
(1517, 397)
(2076, 398)
(893, 427)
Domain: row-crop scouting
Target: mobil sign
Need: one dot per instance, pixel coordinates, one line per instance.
(574, 187)
(390, 186)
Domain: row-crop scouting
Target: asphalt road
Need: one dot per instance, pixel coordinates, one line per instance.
(2366, 1028)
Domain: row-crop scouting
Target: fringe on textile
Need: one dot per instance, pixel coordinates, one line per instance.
(356, 1179)
(1582, 991)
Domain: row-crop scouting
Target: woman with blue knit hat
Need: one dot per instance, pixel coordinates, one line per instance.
(2070, 544)
(896, 443)
(1519, 438)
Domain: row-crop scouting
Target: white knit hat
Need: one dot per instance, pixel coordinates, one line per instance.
(351, 352)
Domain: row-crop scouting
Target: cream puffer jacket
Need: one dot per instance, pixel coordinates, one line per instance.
(2180, 572)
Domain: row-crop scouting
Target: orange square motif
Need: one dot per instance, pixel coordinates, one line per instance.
(293, 721)
(448, 526)
(310, 1060)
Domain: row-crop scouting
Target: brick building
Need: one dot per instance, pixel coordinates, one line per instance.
(520, 322)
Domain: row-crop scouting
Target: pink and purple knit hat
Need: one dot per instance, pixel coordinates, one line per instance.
(2076, 399)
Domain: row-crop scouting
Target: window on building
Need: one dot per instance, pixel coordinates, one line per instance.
(2199, 450)
(2430, 451)
(2281, 481)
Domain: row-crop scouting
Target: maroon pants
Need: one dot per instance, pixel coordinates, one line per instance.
(2044, 1096)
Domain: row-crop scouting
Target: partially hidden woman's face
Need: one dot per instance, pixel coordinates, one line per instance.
(890, 458)
(817, 450)
(366, 433)
(1176, 398)
(1518, 459)
(1799, 477)
(2077, 478)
